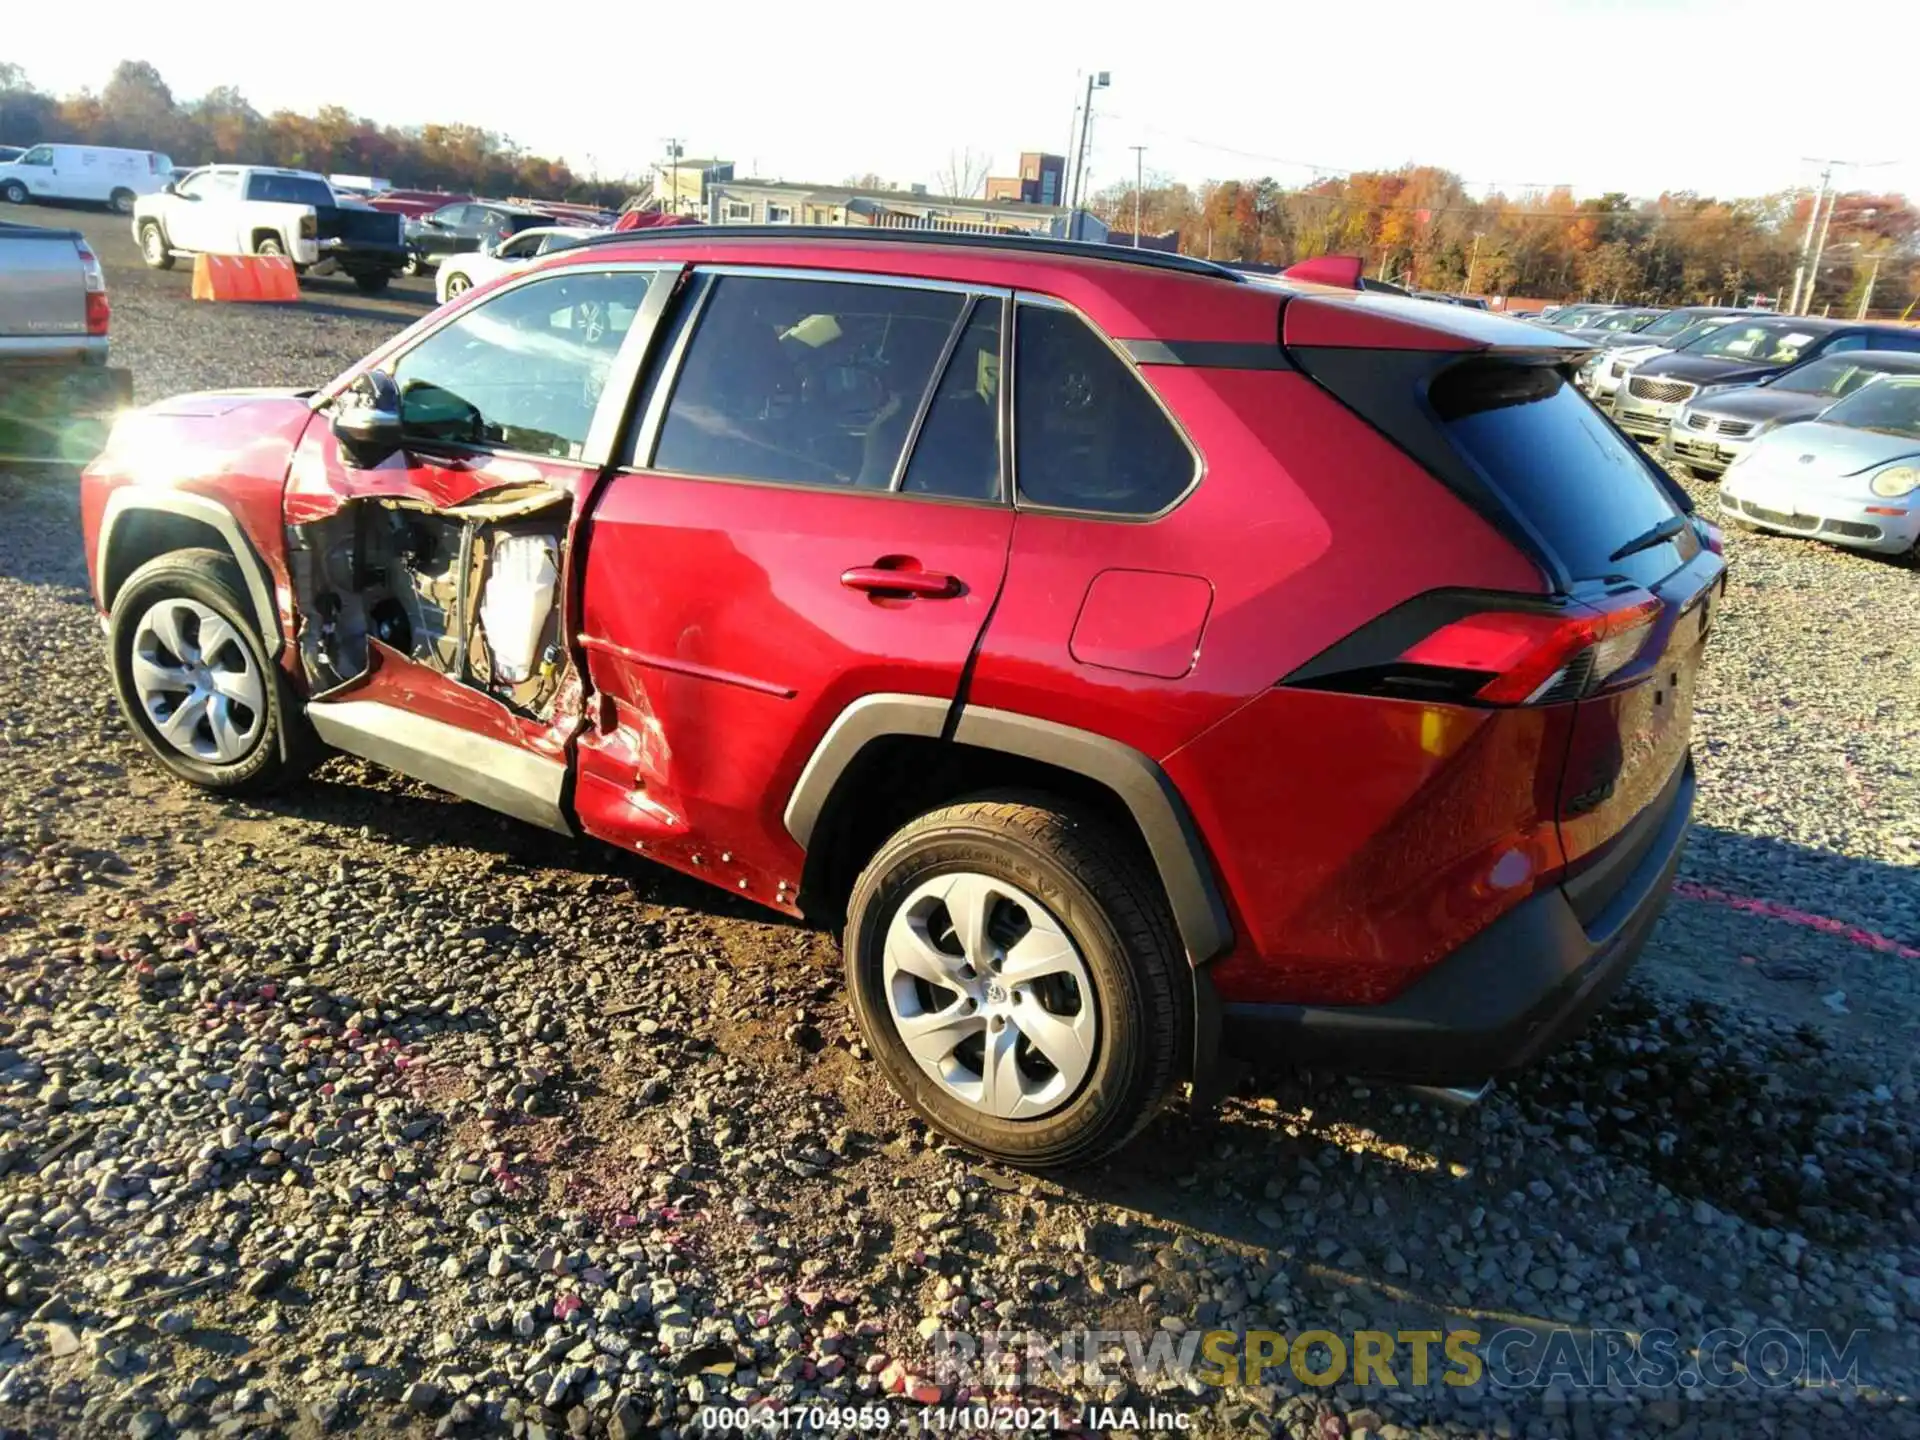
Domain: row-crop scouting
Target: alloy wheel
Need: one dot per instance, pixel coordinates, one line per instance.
(990, 995)
(197, 681)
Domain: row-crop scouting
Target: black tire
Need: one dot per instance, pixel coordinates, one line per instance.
(414, 264)
(372, 282)
(286, 748)
(457, 284)
(153, 246)
(122, 201)
(14, 193)
(1112, 910)
(269, 245)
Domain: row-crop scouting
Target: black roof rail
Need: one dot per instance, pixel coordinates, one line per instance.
(958, 239)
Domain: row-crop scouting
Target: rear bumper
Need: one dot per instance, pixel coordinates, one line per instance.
(1522, 986)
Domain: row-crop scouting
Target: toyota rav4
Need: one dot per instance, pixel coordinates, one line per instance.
(1144, 663)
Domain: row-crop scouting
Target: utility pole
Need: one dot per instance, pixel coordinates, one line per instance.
(1139, 172)
(674, 152)
(1866, 298)
(1806, 241)
(1473, 260)
(1819, 247)
(1096, 80)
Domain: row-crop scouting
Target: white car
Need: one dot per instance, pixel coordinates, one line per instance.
(100, 173)
(460, 273)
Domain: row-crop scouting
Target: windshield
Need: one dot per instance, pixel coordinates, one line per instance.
(1699, 331)
(1833, 375)
(1674, 322)
(1890, 406)
(1775, 343)
(1574, 318)
(1623, 320)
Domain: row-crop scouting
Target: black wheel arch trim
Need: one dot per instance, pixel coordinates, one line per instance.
(127, 502)
(1173, 840)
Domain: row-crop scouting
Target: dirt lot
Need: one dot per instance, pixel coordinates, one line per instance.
(368, 1110)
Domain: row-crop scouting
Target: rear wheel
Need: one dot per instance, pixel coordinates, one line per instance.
(194, 680)
(372, 282)
(1018, 979)
(13, 192)
(153, 246)
(122, 201)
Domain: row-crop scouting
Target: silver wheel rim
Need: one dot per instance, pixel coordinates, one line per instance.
(990, 996)
(197, 682)
(457, 285)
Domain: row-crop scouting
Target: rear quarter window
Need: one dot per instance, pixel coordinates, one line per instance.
(1578, 483)
(1087, 434)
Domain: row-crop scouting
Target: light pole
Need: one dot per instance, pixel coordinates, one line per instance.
(1139, 153)
(1096, 80)
(1866, 296)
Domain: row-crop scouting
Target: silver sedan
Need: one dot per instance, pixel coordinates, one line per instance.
(1851, 477)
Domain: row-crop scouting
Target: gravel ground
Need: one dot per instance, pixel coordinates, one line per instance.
(365, 1110)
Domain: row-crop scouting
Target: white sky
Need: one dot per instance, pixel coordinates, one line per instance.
(1720, 96)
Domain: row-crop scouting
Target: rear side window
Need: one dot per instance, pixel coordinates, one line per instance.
(958, 452)
(1556, 462)
(804, 382)
(288, 190)
(1087, 435)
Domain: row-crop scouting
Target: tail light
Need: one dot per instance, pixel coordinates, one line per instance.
(98, 311)
(309, 227)
(504, 233)
(1529, 658)
(1465, 648)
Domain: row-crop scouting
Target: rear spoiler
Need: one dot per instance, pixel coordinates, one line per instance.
(1341, 272)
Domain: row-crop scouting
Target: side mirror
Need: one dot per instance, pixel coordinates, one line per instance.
(366, 419)
(172, 187)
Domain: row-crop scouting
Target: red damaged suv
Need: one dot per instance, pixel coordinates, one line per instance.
(1147, 662)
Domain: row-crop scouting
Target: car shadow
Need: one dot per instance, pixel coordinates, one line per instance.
(398, 305)
(355, 794)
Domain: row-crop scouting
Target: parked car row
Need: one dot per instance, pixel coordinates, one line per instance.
(1812, 424)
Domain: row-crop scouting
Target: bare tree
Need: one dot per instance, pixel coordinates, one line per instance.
(964, 175)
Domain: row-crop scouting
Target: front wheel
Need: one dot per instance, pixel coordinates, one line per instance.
(458, 284)
(14, 193)
(194, 679)
(153, 246)
(269, 245)
(1016, 974)
(414, 264)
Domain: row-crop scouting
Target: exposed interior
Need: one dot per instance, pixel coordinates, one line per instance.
(472, 592)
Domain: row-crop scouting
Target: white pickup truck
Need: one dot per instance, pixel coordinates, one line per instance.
(258, 210)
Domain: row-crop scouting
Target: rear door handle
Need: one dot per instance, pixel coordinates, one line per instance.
(885, 580)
